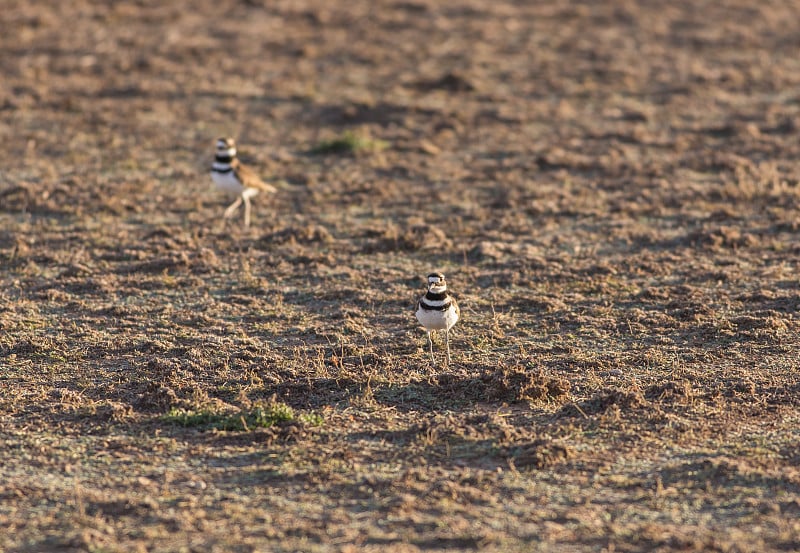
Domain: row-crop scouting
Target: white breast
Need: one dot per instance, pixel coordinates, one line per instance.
(437, 320)
(227, 182)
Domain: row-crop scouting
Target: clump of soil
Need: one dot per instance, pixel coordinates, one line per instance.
(514, 384)
(308, 234)
(605, 400)
(158, 398)
(670, 392)
(541, 453)
(407, 236)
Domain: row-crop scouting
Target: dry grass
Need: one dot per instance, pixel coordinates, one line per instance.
(611, 190)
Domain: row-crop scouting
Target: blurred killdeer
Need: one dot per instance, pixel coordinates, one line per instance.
(230, 175)
(437, 310)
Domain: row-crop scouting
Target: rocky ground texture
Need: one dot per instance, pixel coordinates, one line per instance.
(611, 189)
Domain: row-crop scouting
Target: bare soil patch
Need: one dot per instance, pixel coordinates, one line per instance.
(611, 188)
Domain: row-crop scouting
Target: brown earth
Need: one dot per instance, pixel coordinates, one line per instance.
(611, 189)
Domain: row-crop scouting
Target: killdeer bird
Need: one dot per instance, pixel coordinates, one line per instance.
(232, 176)
(437, 310)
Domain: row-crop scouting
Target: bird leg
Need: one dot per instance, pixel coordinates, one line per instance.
(447, 341)
(246, 211)
(233, 207)
(430, 341)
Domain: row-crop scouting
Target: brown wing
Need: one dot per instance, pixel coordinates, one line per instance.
(455, 304)
(249, 178)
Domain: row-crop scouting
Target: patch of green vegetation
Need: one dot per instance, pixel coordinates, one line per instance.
(192, 418)
(349, 143)
(311, 419)
(259, 415)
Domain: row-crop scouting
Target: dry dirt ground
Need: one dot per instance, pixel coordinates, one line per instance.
(610, 187)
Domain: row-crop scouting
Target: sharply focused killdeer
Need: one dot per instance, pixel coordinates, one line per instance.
(437, 310)
(232, 176)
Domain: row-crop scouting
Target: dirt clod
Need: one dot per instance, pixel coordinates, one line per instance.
(520, 384)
